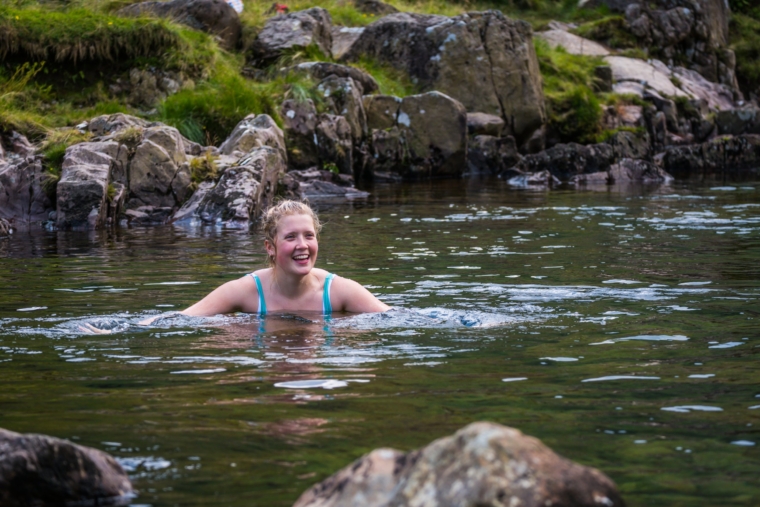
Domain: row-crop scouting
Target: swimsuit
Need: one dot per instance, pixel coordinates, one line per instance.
(326, 305)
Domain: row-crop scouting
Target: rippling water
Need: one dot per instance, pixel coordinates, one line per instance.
(620, 327)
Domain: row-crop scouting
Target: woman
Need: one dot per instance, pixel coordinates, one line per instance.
(291, 283)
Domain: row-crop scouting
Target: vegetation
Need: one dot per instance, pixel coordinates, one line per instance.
(203, 168)
(574, 109)
(745, 41)
(609, 30)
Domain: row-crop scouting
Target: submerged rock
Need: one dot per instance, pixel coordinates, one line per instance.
(319, 184)
(491, 154)
(564, 161)
(43, 470)
(483, 464)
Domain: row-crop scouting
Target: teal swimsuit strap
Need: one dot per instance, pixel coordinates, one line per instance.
(326, 305)
(262, 303)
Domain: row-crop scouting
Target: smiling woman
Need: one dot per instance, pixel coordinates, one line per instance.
(291, 283)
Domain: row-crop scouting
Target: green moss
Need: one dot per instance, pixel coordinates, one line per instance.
(574, 110)
(745, 41)
(203, 168)
(610, 30)
(608, 134)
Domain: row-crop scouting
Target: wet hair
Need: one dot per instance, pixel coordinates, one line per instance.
(271, 219)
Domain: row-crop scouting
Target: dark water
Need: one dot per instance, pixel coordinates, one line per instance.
(620, 327)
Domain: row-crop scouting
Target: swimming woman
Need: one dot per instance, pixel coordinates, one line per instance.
(291, 282)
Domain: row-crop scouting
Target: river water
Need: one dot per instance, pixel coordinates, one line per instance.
(618, 326)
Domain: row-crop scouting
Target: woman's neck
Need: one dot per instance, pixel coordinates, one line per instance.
(290, 285)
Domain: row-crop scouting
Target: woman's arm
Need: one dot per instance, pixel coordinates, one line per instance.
(233, 296)
(349, 296)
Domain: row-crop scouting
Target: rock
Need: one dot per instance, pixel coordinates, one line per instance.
(630, 170)
(491, 155)
(148, 215)
(19, 145)
(719, 97)
(242, 192)
(434, 127)
(82, 191)
(211, 16)
(627, 144)
(628, 88)
(725, 157)
(300, 122)
(632, 69)
(738, 121)
(189, 209)
(539, 179)
(297, 30)
(42, 470)
(667, 106)
(482, 59)
(5, 228)
(335, 143)
(573, 44)
(564, 161)
(322, 70)
(631, 115)
(389, 153)
(374, 7)
(483, 464)
(484, 124)
(109, 124)
(381, 111)
(159, 174)
(343, 37)
(343, 97)
(254, 131)
(147, 87)
(22, 191)
(315, 184)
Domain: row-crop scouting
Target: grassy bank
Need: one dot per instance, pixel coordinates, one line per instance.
(60, 59)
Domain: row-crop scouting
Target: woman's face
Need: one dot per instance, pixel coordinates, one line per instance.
(295, 248)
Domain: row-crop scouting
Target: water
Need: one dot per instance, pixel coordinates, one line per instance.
(620, 327)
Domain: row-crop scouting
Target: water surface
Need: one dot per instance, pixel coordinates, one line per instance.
(620, 327)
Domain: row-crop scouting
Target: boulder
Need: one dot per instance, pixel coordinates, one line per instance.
(573, 44)
(23, 199)
(484, 124)
(484, 60)
(389, 153)
(603, 78)
(110, 123)
(82, 191)
(159, 174)
(335, 143)
(242, 193)
(435, 130)
(381, 111)
(491, 155)
(300, 119)
(254, 131)
(483, 464)
(297, 30)
(630, 170)
(43, 470)
(211, 16)
(626, 144)
(639, 71)
(539, 179)
(564, 161)
(717, 96)
(738, 121)
(725, 157)
(18, 146)
(322, 70)
(342, 96)
(343, 37)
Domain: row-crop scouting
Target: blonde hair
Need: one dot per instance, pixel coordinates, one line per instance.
(271, 219)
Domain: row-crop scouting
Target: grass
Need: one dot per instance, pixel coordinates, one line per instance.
(610, 30)
(574, 109)
(745, 41)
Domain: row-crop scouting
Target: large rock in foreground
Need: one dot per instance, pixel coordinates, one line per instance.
(483, 464)
(42, 470)
(484, 60)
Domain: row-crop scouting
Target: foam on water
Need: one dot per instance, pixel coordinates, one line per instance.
(688, 408)
(650, 338)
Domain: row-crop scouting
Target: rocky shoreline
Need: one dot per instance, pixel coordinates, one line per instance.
(482, 111)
